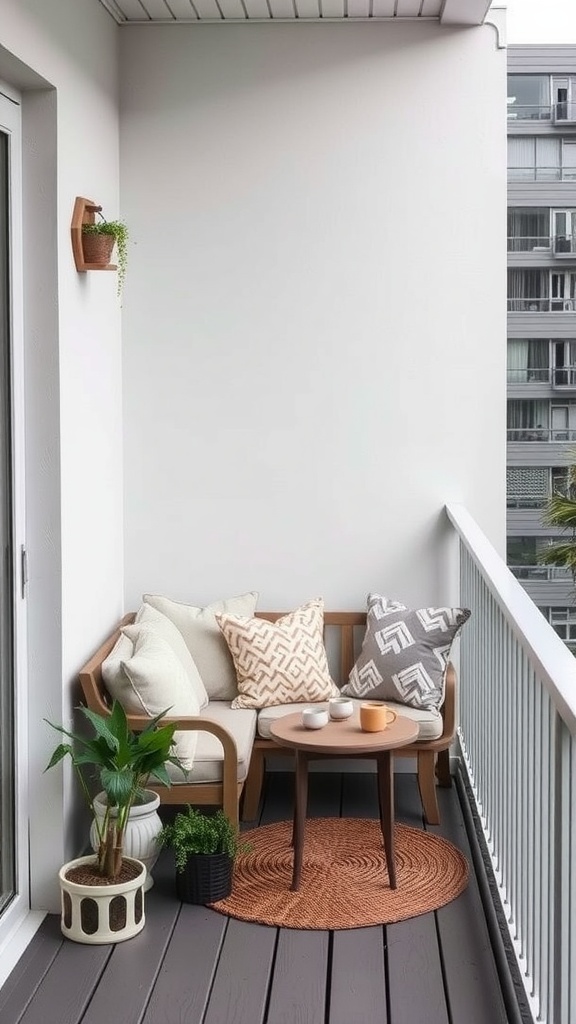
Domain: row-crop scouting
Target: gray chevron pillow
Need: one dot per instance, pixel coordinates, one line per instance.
(405, 653)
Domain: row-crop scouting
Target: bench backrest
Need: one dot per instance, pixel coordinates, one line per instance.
(343, 633)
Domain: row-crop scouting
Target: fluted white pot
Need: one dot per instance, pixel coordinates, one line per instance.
(142, 830)
(97, 914)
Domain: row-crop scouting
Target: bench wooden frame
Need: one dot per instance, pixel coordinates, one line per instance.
(433, 758)
(225, 794)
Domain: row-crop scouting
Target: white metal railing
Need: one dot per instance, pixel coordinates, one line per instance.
(517, 730)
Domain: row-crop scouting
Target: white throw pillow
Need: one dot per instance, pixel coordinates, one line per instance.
(152, 618)
(204, 640)
(148, 678)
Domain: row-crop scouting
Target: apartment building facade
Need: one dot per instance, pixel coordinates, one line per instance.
(541, 364)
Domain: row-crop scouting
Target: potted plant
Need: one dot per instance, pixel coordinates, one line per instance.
(98, 240)
(103, 895)
(204, 847)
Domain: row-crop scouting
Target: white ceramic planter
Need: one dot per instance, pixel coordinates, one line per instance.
(142, 830)
(96, 914)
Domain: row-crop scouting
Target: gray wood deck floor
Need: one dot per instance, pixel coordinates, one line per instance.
(191, 965)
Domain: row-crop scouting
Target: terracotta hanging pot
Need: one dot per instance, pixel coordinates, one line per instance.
(97, 248)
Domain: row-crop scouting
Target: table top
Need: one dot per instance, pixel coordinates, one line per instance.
(342, 737)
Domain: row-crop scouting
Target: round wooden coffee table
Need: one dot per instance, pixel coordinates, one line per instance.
(343, 739)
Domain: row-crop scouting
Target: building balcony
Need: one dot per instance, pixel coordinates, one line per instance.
(537, 382)
(561, 246)
(557, 113)
(540, 435)
(503, 951)
(541, 305)
(540, 572)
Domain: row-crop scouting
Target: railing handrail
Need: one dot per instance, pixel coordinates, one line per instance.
(555, 663)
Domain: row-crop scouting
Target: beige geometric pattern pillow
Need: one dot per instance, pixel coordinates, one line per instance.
(282, 662)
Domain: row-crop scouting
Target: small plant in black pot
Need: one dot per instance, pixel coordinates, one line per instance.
(204, 849)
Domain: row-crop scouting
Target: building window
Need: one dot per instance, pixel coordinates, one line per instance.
(541, 159)
(541, 291)
(528, 361)
(528, 228)
(529, 98)
(563, 621)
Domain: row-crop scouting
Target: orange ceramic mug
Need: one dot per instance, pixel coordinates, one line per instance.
(374, 716)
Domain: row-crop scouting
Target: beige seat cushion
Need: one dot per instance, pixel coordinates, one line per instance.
(209, 755)
(429, 720)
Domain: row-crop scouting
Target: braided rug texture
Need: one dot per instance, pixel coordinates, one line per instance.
(344, 881)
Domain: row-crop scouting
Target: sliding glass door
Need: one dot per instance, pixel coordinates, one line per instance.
(14, 884)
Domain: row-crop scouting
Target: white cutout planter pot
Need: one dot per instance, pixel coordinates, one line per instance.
(142, 830)
(96, 914)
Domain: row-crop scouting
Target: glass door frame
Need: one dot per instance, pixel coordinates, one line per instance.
(15, 914)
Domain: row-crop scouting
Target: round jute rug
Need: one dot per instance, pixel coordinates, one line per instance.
(344, 878)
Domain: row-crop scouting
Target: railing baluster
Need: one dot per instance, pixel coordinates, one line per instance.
(517, 728)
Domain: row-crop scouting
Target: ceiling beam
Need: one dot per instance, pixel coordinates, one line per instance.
(464, 12)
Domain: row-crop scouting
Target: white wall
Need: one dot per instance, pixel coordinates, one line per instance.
(73, 386)
(314, 332)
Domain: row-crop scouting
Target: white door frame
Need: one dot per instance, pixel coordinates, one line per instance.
(16, 922)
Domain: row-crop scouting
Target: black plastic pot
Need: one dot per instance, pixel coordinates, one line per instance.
(207, 878)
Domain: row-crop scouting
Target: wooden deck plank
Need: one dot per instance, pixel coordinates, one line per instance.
(471, 977)
(324, 794)
(134, 965)
(416, 986)
(359, 795)
(22, 982)
(66, 990)
(358, 980)
(183, 985)
(242, 979)
(298, 992)
(278, 802)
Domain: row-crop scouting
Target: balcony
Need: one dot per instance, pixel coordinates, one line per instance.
(537, 304)
(530, 112)
(504, 951)
(557, 377)
(558, 245)
(540, 435)
(533, 173)
(540, 572)
(563, 112)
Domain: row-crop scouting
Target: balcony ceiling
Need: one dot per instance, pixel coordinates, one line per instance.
(186, 12)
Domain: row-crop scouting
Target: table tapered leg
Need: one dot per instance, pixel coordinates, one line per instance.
(385, 762)
(300, 803)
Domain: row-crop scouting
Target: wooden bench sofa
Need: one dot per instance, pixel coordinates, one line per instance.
(343, 633)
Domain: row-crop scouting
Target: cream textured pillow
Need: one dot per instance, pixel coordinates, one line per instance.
(153, 619)
(204, 640)
(147, 678)
(282, 662)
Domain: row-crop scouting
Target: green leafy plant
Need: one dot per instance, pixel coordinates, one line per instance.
(123, 762)
(193, 832)
(560, 511)
(119, 232)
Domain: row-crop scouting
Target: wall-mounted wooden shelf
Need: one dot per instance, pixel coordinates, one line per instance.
(85, 211)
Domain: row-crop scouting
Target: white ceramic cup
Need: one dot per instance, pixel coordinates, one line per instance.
(340, 708)
(314, 718)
